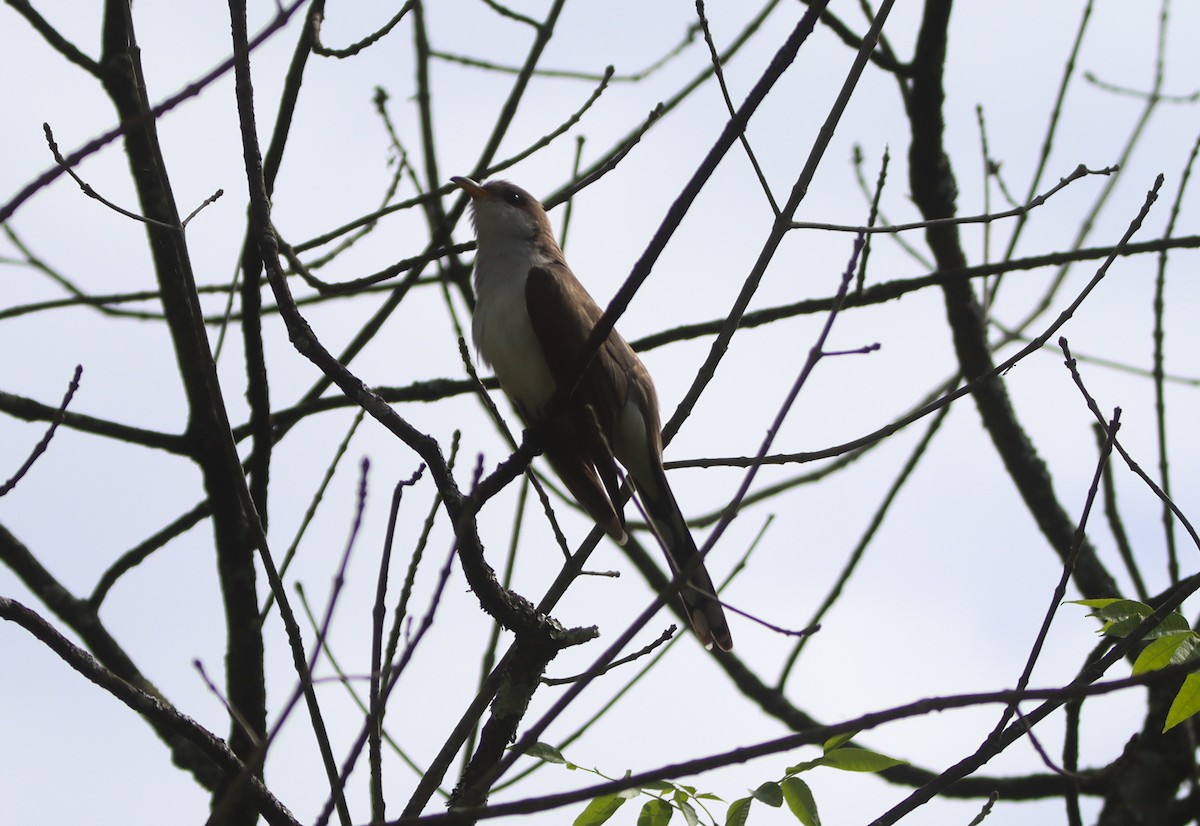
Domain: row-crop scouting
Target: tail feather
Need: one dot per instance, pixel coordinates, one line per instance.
(575, 468)
(698, 594)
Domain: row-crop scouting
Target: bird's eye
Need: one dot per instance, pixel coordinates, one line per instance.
(514, 198)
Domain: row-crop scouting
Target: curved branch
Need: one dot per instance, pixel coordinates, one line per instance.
(934, 192)
(82, 618)
(54, 37)
(161, 715)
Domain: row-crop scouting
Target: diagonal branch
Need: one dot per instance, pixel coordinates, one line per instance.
(208, 431)
(44, 442)
(149, 705)
(934, 192)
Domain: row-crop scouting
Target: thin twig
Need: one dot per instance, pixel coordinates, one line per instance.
(283, 14)
(1115, 526)
(235, 715)
(664, 637)
(366, 42)
(91, 193)
(378, 615)
(1160, 400)
(570, 74)
(872, 220)
(1068, 567)
(44, 442)
(1140, 94)
(715, 58)
(142, 551)
(1079, 172)
(311, 511)
(1130, 463)
(211, 199)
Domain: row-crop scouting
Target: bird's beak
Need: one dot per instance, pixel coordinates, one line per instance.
(470, 187)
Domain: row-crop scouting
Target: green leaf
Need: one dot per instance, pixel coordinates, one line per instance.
(739, 812)
(800, 800)
(1121, 616)
(599, 810)
(546, 752)
(838, 740)
(1168, 649)
(689, 813)
(859, 760)
(660, 786)
(803, 767)
(1186, 702)
(656, 812)
(1172, 623)
(1112, 610)
(1094, 603)
(769, 793)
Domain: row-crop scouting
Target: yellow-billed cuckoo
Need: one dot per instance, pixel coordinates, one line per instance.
(532, 319)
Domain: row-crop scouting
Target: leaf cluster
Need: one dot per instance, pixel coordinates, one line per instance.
(665, 798)
(1172, 642)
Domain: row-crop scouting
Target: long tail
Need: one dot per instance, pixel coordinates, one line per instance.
(698, 594)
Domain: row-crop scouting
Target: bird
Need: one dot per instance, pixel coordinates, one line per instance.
(531, 321)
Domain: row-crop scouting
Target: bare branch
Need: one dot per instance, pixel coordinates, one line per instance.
(986, 218)
(44, 443)
(151, 707)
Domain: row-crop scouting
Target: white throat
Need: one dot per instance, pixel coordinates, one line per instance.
(503, 333)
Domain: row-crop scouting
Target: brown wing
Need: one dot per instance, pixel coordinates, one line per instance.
(562, 314)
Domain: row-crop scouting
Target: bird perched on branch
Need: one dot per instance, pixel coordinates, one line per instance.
(532, 320)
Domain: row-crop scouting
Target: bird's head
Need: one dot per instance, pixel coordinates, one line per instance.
(504, 212)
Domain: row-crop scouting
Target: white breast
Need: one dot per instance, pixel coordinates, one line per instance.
(501, 327)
